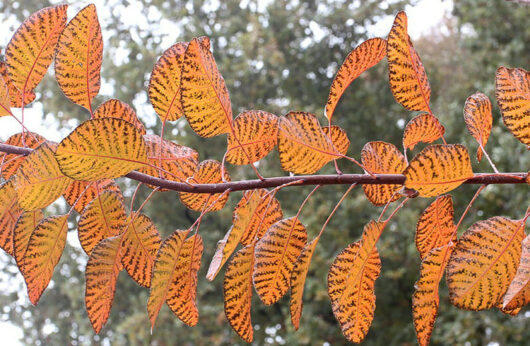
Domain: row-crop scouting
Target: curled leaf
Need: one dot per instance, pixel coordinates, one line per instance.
(298, 277)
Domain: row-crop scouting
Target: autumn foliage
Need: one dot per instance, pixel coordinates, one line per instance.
(488, 266)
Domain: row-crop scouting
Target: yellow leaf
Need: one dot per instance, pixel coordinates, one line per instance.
(382, 158)
(85, 191)
(276, 254)
(9, 213)
(140, 243)
(518, 294)
(303, 146)
(339, 138)
(484, 262)
(164, 84)
(435, 227)
(207, 172)
(238, 292)
(10, 162)
(512, 89)
(5, 102)
(101, 148)
(15, 96)
(422, 128)
(45, 248)
(437, 169)
(39, 181)
(257, 132)
(103, 217)
(114, 108)
(26, 224)
(78, 58)
(477, 114)
(407, 77)
(364, 56)
(298, 277)
(204, 95)
(30, 51)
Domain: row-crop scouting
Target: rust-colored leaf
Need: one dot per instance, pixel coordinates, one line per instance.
(15, 96)
(9, 214)
(24, 227)
(78, 58)
(407, 77)
(364, 56)
(518, 294)
(437, 169)
(114, 108)
(276, 254)
(423, 128)
(339, 138)
(382, 158)
(10, 162)
(84, 192)
(477, 115)
(484, 262)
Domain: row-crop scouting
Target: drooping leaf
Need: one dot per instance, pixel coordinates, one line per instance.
(477, 115)
(15, 96)
(78, 58)
(39, 181)
(436, 227)
(407, 77)
(10, 162)
(512, 89)
(351, 283)
(437, 169)
(30, 51)
(257, 132)
(364, 56)
(425, 300)
(5, 102)
(207, 172)
(275, 256)
(164, 84)
(176, 161)
(204, 95)
(141, 241)
(103, 217)
(114, 108)
(238, 292)
(84, 192)
(303, 146)
(101, 148)
(45, 247)
(168, 264)
(24, 227)
(102, 270)
(9, 213)
(423, 128)
(518, 294)
(339, 138)
(382, 158)
(298, 277)
(484, 262)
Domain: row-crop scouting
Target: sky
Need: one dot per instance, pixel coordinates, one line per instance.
(424, 16)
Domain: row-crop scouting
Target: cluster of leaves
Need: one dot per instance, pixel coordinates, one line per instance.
(487, 267)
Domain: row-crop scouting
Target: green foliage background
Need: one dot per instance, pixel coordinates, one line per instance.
(271, 61)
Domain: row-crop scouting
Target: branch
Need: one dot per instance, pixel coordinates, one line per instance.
(329, 179)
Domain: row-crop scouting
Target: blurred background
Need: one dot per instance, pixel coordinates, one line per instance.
(280, 56)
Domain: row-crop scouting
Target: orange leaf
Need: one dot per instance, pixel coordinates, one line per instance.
(351, 283)
(425, 300)
(257, 132)
(207, 172)
(78, 58)
(45, 248)
(204, 96)
(437, 169)
(11, 162)
(238, 292)
(435, 227)
(39, 181)
(9, 213)
(364, 56)
(114, 108)
(518, 294)
(484, 262)
(26, 224)
(176, 161)
(102, 270)
(164, 84)
(382, 158)
(140, 243)
(15, 96)
(85, 191)
(276, 254)
(477, 114)
(422, 128)
(298, 277)
(5, 103)
(407, 77)
(101, 148)
(103, 217)
(303, 146)
(30, 51)
(339, 138)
